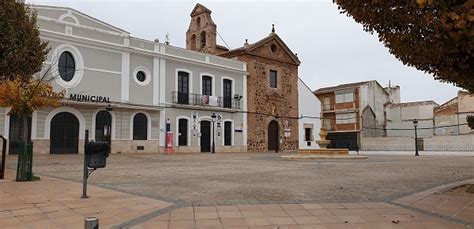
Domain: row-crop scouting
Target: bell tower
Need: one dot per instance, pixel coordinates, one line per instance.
(201, 34)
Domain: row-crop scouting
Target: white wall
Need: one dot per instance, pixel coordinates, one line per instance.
(308, 105)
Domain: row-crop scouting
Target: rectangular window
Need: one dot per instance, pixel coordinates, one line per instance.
(183, 132)
(206, 85)
(346, 118)
(307, 134)
(327, 103)
(273, 79)
(183, 88)
(227, 133)
(227, 93)
(344, 97)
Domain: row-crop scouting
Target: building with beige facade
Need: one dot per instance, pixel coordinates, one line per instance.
(451, 117)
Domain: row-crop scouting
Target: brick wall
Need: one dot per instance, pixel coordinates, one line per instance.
(435, 143)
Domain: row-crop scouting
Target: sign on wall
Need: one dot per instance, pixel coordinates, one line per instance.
(194, 124)
(89, 98)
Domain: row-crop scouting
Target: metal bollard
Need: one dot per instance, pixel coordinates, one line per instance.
(91, 223)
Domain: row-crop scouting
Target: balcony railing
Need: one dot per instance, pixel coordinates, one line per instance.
(205, 100)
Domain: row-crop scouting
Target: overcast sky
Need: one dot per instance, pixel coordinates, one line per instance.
(333, 49)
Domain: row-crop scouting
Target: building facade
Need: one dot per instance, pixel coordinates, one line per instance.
(400, 118)
(127, 89)
(309, 123)
(451, 117)
(349, 111)
(272, 83)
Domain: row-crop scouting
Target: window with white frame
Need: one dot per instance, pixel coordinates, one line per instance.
(344, 97)
(345, 118)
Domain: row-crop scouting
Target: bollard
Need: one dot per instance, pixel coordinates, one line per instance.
(91, 223)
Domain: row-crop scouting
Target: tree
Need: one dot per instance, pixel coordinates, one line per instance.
(436, 37)
(22, 87)
(22, 53)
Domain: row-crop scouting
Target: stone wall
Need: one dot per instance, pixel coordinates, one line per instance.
(435, 143)
(264, 101)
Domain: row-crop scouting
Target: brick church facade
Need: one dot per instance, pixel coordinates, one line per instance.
(272, 83)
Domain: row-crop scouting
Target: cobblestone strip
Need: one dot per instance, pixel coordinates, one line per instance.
(147, 217)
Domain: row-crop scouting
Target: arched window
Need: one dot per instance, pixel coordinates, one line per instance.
(140, 127)
(198, 22)
(203, 39)
(193, 42)
(66, 66)
(103, 122)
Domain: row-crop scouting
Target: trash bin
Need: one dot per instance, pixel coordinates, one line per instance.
(97, 153)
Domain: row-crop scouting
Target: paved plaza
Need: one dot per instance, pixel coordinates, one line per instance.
(251, 190)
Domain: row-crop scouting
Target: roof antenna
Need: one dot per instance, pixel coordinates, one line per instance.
(167, 39)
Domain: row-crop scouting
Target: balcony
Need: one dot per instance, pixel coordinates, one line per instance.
(327, 107)
(328, 124)
(205, 100)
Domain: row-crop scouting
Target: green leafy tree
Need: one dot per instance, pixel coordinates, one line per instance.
(22, 54)
(434, 36)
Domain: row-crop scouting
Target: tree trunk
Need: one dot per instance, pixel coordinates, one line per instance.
(24, 168)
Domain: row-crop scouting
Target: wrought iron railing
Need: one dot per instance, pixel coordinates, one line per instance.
(205, 100)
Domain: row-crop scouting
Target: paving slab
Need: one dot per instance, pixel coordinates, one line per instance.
(56, 203)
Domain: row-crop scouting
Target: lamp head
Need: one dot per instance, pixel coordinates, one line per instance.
(109, 108)
(415, 122)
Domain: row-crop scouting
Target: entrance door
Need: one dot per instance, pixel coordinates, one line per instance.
(103, 126)
(273, 135)
(205, 136)
(15, 134)
(64, 135)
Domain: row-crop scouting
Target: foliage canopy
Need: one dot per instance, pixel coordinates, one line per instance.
(434, 36)
(22, 52)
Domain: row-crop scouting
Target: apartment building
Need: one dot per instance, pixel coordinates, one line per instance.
(351, 110)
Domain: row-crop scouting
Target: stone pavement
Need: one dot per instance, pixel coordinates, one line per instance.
(324, 215)
(55, 203)
(443, 201)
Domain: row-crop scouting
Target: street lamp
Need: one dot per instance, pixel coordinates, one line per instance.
(109, 129)
(213, 118)
(415, 124)
(277, 119)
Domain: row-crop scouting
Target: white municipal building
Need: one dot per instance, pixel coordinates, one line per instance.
(131, 88)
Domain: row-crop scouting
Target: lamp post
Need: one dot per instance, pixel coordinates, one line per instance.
(415, 124)
(109, 130)
(277, 119)
(213, 118)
